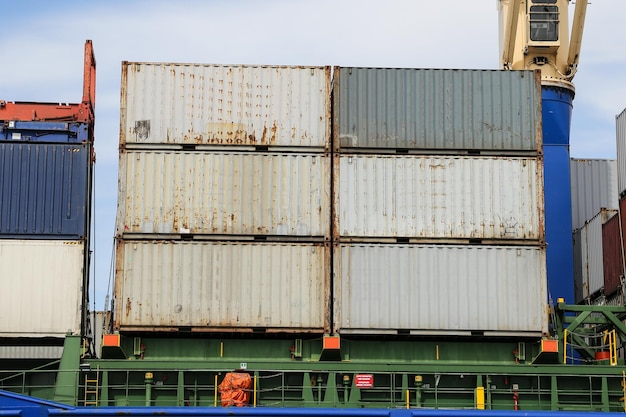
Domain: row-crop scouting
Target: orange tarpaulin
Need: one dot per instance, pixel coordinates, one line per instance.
(235, 389)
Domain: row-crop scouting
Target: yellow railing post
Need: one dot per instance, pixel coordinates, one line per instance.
(565, 346)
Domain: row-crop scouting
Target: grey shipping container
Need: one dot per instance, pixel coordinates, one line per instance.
(620, 130)
(221, 286)
(440, 289)
(233, 105)
(439, 197)
(224, 193)
(398, 108)
(589, 255)
(45, 190)
(594, 186)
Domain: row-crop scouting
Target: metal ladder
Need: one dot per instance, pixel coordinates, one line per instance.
(91, 389)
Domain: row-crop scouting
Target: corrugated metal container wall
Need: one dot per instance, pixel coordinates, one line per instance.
(581, 265)
(588, 254)
(594, 186)
(47, 132)
(428, 289)
(613, 264)
(169, 103)
(224, 193)
(42, 291)
(162, 285)
(390, 108)
(620, 130)
(44, 190)
(439, 197)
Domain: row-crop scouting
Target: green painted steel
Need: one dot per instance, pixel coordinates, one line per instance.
(186, 370)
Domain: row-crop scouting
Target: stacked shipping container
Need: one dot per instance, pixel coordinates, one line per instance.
(45, 194)
(46, 159)
(224, 201)
(236, 213)
(438, 204)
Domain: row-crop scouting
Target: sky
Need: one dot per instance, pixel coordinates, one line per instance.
(41, 48)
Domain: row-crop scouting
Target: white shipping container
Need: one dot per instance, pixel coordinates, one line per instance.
(439, 197)
(620, 130)
(170, 103)
(42, 283)
(594, 186)
(208, 286)
(446, 289)
(224, 193)
(588, 254)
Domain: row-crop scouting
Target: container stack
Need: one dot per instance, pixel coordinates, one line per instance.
(44, 226)
(438, 202)
(46, 161)
(224, 199)
(594, 205)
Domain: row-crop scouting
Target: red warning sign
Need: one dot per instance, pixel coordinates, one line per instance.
(364, 380)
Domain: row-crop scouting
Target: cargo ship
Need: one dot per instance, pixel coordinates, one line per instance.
(318, 240)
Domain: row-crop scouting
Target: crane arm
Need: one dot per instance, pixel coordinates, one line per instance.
(510, 33)
(576, 37)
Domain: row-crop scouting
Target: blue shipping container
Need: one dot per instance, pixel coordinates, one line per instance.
(45, 190)
(47, 132)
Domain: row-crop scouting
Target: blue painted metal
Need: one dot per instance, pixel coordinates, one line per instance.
(47, 132)
(557, 113)
(20, 405)
(44, 190)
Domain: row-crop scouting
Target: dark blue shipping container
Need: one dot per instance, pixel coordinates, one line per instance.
(45, 190)
(45, 132)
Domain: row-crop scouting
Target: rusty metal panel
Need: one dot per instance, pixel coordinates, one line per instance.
(594, 186)
(414, 196)
(440, 289)
(235, 105)
(224, 193)
(612, 257)
(42, 283)
(387, 108)
(228, 286)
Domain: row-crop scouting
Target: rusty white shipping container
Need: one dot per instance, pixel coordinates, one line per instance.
(443, 109)
(589, 256)
(224, 193)
(221, 286)
(235, 105)
(440, 289)
(594, 186)
(391, 196)
(42, 284)
(620, 130)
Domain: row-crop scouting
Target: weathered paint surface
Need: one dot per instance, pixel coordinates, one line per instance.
(224, 193)
(169, 103)
(42, 282)
(384, 108)
(589, 255)
(212, 286)
(44, 190)
(447, 289)
(612, 257)
(439, 197)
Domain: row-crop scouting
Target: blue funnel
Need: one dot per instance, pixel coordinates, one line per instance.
(557, 116)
